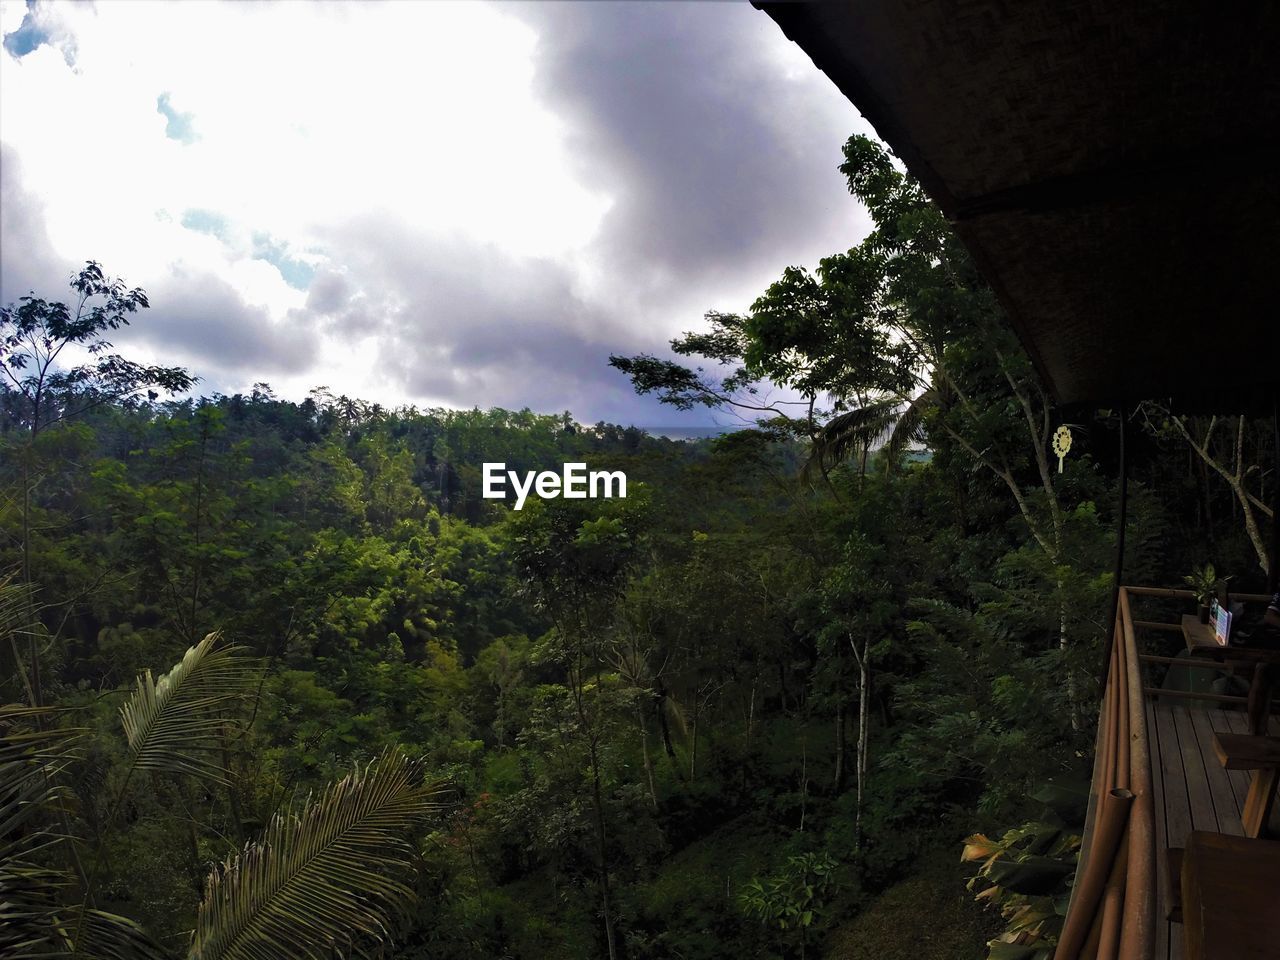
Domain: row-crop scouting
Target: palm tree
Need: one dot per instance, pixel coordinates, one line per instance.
(891, 422)
(35, 921)
(329, 871)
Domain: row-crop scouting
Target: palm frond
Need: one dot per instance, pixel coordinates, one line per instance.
(323, 876)
(888, 422)
(35, 919)
(108, 936)
(14, 599)
(15, 621)
(848, 434)
(176, 724)
(910, 427)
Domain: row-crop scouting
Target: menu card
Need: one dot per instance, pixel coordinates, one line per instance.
(1222, 626)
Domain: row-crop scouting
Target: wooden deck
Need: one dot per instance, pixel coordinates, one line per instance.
(1191, 790)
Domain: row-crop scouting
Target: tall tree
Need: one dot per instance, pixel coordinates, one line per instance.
(895, 341)
(576, 565)
(40, 393)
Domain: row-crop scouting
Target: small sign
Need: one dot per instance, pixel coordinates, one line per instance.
(1062, 443)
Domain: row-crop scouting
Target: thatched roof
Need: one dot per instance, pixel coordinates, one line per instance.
(1114, 167)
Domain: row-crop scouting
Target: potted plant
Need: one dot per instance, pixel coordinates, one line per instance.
(1204, 582)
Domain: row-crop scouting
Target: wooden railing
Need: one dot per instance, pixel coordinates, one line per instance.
(1112, 913)
(1113, 904)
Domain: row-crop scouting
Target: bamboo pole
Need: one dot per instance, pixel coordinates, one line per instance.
(1113, 819)
(1113, 900)
(1137, 933)
(1158, 625)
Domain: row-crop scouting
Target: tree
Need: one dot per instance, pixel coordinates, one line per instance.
(34, 334)
(903, 340)
(1229, 460)
(39, 393)
(576, 565)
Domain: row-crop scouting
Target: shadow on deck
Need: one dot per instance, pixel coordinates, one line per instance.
(1191, 790)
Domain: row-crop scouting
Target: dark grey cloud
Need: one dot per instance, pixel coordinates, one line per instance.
(722, 171)
(465, 323)
(200, 320)
(195, 319)
(27, 261)
(719, 162)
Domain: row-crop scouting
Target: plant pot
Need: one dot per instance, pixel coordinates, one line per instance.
(1204, 613)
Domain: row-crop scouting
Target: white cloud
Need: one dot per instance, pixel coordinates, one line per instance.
(301, 125)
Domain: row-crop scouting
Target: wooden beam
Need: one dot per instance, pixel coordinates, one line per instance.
(1192, 695)
(1158, 625)
(1246, 752)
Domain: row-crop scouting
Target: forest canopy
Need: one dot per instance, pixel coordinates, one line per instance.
(283, 682)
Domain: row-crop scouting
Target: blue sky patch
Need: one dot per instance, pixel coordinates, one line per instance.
(206, 221)
(180, 125)
(296, 273)
(26, 38)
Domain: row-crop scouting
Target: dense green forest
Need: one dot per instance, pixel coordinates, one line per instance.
(283, 683)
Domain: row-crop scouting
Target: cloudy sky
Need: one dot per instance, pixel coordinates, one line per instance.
(432, 203)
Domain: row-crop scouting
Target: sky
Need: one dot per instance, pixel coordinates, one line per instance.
(444, 204)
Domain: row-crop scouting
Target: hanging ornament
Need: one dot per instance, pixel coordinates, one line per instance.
(1061, 443)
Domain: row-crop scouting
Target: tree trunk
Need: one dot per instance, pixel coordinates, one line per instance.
(1073, 693)
(864, 713)
(693, 743)
(838, 780)
(864, 684)
(1234, 479)
(659, 703)
(578, 687)
(644, 752)
(804, 777)
(606, 905)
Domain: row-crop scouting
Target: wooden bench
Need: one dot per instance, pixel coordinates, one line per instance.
(1229, 889)
(1239, 751)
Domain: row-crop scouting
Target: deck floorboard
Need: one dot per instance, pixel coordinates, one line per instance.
(1239, 779)
(1192, 791)
(1164, 927)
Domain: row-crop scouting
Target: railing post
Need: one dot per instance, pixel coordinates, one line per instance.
(1122, 516)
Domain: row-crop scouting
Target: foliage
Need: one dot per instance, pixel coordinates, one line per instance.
(174, 724)
(794, 899)
(925, 916)
(35, 332)
(322, 875)
(1205, 583)
(817, 648)
(1026, 874)
(34, 921)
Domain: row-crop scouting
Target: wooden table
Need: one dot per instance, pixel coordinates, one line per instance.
(1199, 636)
(1230, 897)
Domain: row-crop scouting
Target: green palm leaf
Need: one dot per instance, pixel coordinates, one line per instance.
(322, 876)
(35, 921)
(176, 724)
(910, 426)
(849, 434)
(16, 606)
